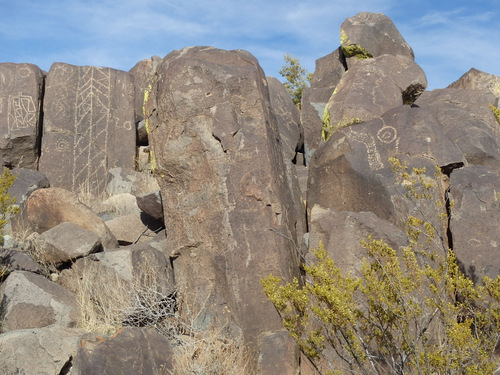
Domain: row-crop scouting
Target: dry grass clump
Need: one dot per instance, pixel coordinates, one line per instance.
(211, 353)
(108, 302)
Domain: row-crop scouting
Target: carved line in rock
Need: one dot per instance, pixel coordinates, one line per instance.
(22, 112)
(92, 115)
(386, 135)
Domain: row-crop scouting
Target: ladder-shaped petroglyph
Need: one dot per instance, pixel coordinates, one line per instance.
(387, 135)
(92, 117)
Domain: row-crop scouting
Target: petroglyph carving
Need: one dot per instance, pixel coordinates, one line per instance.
(386, 134)
(90, 141)
(374, 159)
(22, 112)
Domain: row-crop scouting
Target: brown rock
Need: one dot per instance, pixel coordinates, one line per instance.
(48, 350)
(475, 219)
(131, 351)
(468, 121)
(224, 189)
(66, 242)
(29, 300)
(89, 126)
(20, 98)
(288, 117)
(376, 33)
(373, 86)
(47, 208)
(351, 172)
(142, 72)
(475, 79)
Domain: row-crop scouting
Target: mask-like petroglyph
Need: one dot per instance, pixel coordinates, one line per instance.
(22, 112)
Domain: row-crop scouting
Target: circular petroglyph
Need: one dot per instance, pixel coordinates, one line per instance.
(387, 134)
(24, 72)
(62, 145)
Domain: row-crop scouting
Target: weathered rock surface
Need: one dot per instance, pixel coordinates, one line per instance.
(66, 242)
(287, 115)
(28, 300)
(351, 171)
(42, 351)
(475, 219)
(27, 181)
(20, 98)
(151, 204)
(47, 208)
(222, 179)
(15, 260)
(89, 126)
(131, 351)
(126, 180)
(475, 79)
(373, 86)
(374, 32)
(332, 228)
(142, 72)
(468, 121)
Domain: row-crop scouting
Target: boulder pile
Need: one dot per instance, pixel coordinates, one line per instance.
(152, 202)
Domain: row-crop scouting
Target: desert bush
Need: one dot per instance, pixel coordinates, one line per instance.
(8, 206)
(296, 78)
(410, 311)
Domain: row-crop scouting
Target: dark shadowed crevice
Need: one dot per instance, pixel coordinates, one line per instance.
(66, 369)
(446, 170)
(219, 140)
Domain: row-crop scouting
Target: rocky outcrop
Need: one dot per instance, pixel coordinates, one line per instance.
(180, 224)
(89, 126)
(222, 177)
(475, 79)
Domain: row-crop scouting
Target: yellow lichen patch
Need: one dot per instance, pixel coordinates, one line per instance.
(496, 112)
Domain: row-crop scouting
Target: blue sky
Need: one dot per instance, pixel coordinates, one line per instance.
(447, 37)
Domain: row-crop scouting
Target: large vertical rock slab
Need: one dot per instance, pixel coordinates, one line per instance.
(21, 88)
(475, 219)
(327, 75)
(142, 72)
(227, 205)
(89, 126)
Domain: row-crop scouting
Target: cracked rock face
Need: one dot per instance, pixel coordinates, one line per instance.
(228, 211)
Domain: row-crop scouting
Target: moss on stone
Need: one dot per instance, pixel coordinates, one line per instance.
(496, 112)
(356, 50)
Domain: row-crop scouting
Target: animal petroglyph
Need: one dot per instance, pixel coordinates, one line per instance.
(386, 135)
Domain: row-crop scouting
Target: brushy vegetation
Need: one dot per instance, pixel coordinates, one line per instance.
(496, 112)
(8, 206)
(408, 311)
(296, 78)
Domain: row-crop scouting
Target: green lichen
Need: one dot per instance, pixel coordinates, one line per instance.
(325, 131)
(496, 112)
(356, 50)
(329, 129)
(147, 92)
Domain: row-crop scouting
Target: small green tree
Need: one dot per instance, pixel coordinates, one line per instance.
(296, 76)
(411, 311)
(7, 204)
